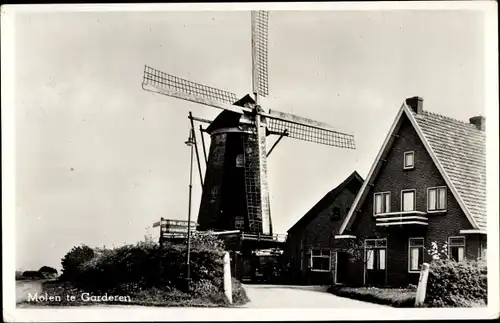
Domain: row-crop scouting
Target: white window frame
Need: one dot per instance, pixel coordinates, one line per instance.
(404, 160)
(375, 246)
(383, 199)
(451, 246)
(409, 252)
(414, 199)
(445, 199)
(329, 256)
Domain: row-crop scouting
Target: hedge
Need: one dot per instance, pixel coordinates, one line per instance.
(148, 265)
(396, 297)
(457, 284)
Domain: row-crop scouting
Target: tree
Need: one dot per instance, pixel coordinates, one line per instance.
(73, 259)
(48, 271)
(32, 274)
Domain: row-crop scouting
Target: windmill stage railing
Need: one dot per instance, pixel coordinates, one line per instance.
(262, 237)
(178, 229)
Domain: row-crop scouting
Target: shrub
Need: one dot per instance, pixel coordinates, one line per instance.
(19, 275)
(147, 264)
(456, 284)
(73, 259)
(239, 295)
(396, 297)
(157, 274)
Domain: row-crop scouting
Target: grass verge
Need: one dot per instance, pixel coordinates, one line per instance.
(396, 297)
(60, 293)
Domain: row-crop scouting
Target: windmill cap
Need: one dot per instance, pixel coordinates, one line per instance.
(244, 100)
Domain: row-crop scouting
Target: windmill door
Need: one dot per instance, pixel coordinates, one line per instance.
(375, 262)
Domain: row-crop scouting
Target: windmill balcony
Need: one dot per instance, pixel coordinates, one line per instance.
(402, 218)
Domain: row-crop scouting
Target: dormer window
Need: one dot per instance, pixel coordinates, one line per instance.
(409, 160)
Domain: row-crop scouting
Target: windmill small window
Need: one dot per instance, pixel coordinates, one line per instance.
(240, 161)
(335, 213)
(214, 192)
(239, 222)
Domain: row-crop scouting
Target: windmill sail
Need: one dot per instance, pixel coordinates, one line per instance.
(170, 85)
(259, 52)
(235, 191)
(308, 130)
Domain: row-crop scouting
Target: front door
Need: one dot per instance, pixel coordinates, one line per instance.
(342, 269)
(376, 262)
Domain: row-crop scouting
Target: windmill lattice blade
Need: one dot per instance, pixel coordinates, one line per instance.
(166, 84)
(165, 80)
(311, 133)
(259, 52)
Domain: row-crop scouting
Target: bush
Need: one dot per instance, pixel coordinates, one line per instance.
(457, 284)
(146, 264)
(239, 295)
(396, 297)
(155, 274)
(73, 259)
(19, 275)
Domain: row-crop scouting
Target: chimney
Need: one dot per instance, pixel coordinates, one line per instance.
(416, 104)
(479, 122)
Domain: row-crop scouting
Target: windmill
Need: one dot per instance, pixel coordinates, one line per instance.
(235, 189)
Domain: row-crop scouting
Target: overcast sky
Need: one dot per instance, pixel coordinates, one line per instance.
(98, 159)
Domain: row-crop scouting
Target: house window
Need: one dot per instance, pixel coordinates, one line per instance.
(456, 248)
(409, 160)
(320, 260)
(408, 200)
(335, 215)
(415, 254)
(375, 254)
(436, 198)
(382, 203)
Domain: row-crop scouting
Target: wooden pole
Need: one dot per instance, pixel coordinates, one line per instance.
(161, 250)
(285, 133)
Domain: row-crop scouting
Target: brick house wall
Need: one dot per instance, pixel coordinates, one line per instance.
(319, 233)
(393, 178)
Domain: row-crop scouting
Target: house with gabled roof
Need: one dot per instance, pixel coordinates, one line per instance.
(427, 184)
(309, 248)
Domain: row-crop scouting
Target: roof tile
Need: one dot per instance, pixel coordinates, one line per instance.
(461, 149)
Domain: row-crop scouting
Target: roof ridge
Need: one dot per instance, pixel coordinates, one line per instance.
(329, 194)
(450, 118)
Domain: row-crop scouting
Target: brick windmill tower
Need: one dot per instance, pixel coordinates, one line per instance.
(235, 190)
